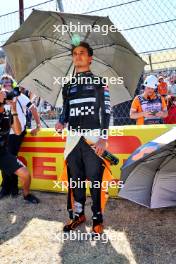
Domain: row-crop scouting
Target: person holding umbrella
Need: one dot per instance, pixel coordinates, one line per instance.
(82, 102)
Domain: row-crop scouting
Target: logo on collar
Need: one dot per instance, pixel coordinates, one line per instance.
(73, 89)
(88, 87)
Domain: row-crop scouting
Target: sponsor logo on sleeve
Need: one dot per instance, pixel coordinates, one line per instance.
(106, 93)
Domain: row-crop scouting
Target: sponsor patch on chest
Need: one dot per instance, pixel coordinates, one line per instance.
(82, 111)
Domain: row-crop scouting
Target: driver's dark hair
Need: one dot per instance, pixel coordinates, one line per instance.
(85, 45)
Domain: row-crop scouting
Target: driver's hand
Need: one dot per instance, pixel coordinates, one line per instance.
(100, 146)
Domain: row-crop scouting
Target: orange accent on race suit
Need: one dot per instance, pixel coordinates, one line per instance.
(107, 177)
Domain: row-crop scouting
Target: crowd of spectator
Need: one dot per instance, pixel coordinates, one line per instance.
(167, 89)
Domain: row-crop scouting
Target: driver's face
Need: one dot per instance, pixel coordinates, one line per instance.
(81, 57)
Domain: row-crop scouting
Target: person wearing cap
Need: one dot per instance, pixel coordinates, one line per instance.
(162, 86)
(10, 182)
(149, 107)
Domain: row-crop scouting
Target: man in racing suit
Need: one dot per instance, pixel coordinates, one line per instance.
(86, 106)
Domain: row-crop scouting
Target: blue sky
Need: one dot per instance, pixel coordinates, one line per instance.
(139, 13)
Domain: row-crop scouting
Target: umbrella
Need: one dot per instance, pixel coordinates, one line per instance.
(39, 54)
(149, 174)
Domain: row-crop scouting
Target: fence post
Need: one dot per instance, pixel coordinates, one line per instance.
(60, 5)
(21, 11)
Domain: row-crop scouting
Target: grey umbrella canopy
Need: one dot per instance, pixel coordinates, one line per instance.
(149, 175)
(39, 54)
